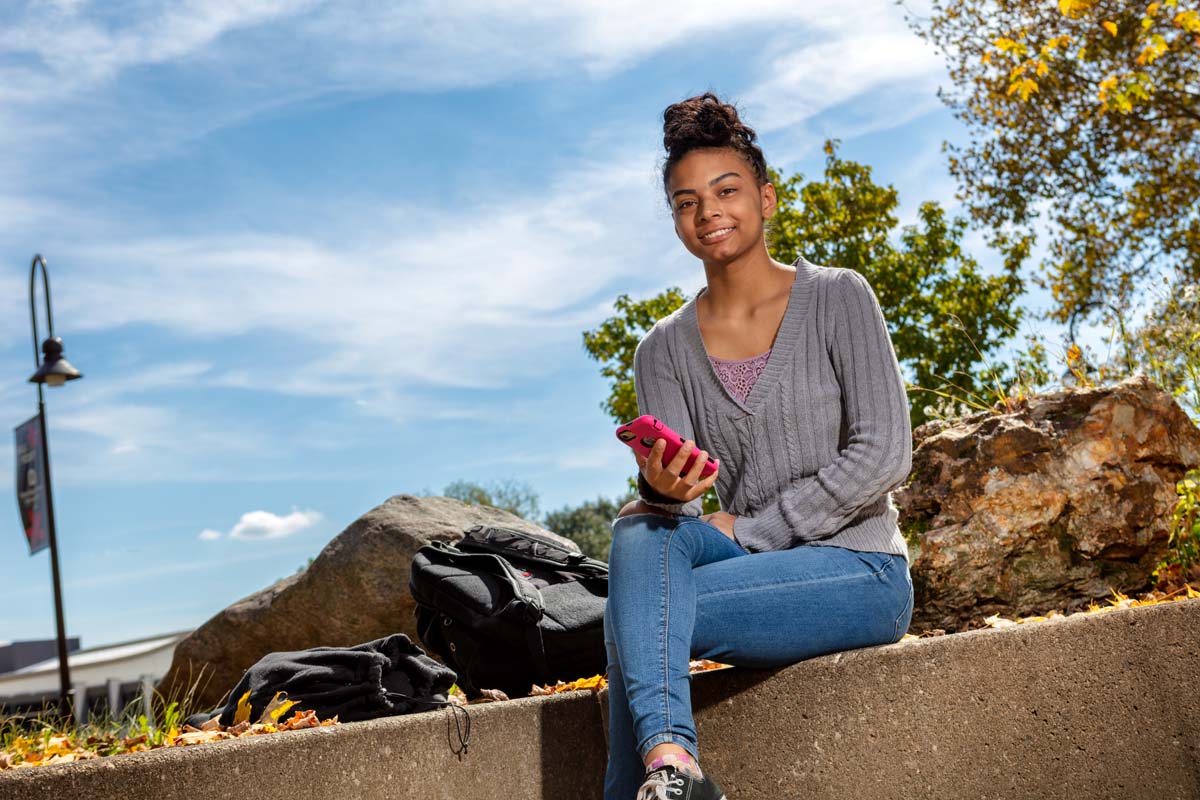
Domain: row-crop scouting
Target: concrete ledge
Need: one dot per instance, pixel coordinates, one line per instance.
(1090, 706)
(1093, 706)
(529, 748)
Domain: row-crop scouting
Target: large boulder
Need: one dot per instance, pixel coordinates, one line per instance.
(1047, 508)
(355, 591)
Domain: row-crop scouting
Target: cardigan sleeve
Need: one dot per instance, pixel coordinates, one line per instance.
(659, 393)
(877, 456)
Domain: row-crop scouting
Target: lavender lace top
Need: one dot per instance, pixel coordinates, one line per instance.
(739, 374)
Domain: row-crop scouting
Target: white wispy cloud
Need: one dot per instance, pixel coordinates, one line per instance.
(820, 75)
(243, 59)
(473, 305)
(260, 525)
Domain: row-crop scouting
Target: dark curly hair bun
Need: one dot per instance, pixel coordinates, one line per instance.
(703, 122)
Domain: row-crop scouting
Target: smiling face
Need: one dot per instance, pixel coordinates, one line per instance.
(718, 207)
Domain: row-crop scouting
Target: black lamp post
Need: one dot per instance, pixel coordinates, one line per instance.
(55, 371)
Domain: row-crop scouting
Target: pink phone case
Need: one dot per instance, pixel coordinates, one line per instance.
(642, 433)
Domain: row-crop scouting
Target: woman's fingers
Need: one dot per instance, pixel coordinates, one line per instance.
(704, 485)
(698, 462)
(676, 465)
(670, 479)
(654, 465)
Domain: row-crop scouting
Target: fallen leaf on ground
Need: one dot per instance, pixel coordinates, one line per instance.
(199, 737)
(301, 720)
(278, 706)
(242, 714)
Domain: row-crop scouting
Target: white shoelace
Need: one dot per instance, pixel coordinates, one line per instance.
(659, 784)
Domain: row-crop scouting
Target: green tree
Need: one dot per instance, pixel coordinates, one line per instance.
(509, 495)
(1083, 122)
(613, 343)
(589, 524)
(1167, 346)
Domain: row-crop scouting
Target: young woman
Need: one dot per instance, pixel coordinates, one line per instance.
(786, 374)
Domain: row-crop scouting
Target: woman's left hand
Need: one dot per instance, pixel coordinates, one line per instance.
(722, 521)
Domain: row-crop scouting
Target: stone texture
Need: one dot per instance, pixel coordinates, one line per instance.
(1046, 508)
(356, 590)
(1090, 706)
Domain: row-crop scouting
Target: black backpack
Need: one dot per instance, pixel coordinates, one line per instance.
(506, 609)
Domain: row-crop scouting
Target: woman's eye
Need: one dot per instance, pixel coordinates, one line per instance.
(683, 205)
(728, 190)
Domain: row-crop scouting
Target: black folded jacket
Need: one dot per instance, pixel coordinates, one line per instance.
(382, 678)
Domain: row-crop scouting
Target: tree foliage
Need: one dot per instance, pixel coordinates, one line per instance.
(509, 495)
(613, 343)
(1084, 122)
(589, 524)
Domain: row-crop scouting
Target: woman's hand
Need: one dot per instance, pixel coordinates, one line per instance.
(722, 521)
(669, 480)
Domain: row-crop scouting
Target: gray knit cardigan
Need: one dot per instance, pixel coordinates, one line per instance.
(811, 456)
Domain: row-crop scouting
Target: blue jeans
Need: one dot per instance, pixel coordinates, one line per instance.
(680, 589)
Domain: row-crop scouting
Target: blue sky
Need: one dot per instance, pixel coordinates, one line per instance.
(310, 255)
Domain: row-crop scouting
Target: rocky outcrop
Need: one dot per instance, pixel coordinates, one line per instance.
(355, 591)
(1047, 508)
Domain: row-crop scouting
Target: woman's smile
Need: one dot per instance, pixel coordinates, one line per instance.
(718, 235)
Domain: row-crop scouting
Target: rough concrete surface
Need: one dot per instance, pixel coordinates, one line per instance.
(1090, 706)
(528, 748)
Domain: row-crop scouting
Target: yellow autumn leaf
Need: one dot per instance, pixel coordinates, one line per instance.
(1188, 21)
(1074, 8)
(1152, 9)
(1111, 27)
(1024, 87)
(1042, 68)
(1007, 45)
(59, 745)
(242, 714)
(275, 709)
(1153, 50)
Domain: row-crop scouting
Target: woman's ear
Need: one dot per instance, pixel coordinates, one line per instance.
(769, 201)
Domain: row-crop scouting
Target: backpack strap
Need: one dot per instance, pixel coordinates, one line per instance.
(537, 648)
(512, 543)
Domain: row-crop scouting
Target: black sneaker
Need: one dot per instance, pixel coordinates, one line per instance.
(669, 783)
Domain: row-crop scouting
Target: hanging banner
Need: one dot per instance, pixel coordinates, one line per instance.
(31, 486)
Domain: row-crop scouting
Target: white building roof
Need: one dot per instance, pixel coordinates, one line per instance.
(125, 661)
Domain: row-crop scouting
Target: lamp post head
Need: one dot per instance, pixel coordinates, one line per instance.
(55, 370)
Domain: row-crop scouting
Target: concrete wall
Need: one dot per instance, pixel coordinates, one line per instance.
(1099, 706)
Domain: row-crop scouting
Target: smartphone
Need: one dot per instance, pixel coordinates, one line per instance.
(645, 430)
